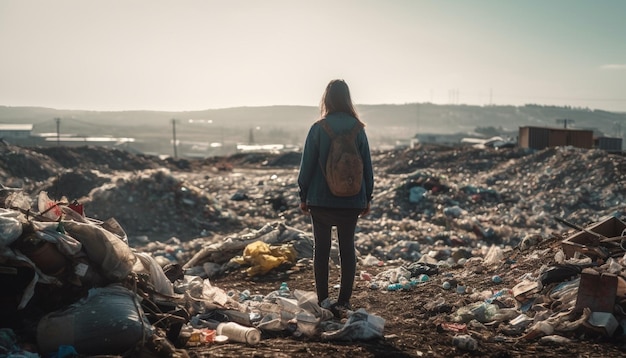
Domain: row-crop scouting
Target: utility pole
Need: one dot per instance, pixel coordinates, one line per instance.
(564, 121)
(58, 120)
(415, 138)
(418, 122)
(174, 137)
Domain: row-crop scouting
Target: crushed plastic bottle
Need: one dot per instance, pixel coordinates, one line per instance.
(496, 295)
(257, 298)
(244, 295)
(483, 312)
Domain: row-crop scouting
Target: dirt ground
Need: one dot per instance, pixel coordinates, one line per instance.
(412, 327)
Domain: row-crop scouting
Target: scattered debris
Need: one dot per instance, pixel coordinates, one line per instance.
(183, 248)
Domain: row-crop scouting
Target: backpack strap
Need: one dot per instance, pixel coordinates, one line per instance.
(322, 122)
(355, 130)
(327, 128)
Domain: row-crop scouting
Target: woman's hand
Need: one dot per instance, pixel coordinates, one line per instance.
(304, 208)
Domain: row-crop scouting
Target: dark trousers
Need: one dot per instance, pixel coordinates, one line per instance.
(323, 219)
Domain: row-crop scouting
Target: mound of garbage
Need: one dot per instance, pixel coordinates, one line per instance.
(509, 244)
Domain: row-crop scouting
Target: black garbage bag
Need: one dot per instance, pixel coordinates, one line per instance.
(109, 320)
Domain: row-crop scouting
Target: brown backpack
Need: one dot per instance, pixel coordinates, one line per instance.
(344, 165)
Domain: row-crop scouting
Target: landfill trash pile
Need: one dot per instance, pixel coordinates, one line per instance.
(467, 251)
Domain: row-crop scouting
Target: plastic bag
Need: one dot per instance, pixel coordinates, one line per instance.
(17, 199)
(105, 249)
(146, 263)
(262, 258)
(359, 326)
(48, 208)
(48, 231)
(108, 321)
(10, 227)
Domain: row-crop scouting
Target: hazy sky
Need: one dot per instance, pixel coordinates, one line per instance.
(202, 54)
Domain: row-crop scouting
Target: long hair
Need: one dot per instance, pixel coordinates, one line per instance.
(337, 98)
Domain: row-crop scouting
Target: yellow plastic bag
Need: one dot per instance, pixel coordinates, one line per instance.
(262, 257)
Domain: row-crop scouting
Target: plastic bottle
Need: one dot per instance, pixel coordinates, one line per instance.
(497, 295)
(395, 287)
(460, 288)
(244, 295)
(283, 290)
(481, 311)
(257, 298)
(404, 282)
(489, 312)
(238, 333)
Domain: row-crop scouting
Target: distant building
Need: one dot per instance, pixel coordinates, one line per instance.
(260, 148)
(544, 137)
(15, 132)
(69, 140)
(22, 134)
(609, 144)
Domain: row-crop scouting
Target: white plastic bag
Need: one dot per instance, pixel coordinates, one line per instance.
(10, 226)
(147, 264)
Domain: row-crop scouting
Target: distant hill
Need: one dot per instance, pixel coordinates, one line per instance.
(386, 124)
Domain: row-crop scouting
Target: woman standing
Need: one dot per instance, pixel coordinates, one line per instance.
(328, 210)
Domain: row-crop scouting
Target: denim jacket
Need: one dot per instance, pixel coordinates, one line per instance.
(313, 188)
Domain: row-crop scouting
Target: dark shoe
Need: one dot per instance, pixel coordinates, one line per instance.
(340, 310)
(327, 303)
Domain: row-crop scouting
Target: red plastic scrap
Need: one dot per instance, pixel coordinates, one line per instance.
(454, 327)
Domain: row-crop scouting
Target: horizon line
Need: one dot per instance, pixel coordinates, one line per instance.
(572, 107)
